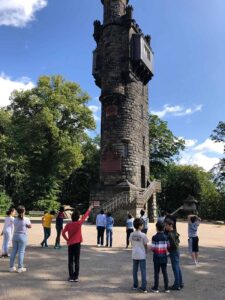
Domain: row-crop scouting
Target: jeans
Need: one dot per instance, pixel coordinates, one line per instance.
(74, 260)
(19, 245)
(100, 238)
(129, 231)
(175, 262)
(109, 235)
(142, 263)
(163, 267)
(47, 233)
(7, 236)
(58, 234)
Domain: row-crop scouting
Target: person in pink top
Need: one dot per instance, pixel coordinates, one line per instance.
(72, 234)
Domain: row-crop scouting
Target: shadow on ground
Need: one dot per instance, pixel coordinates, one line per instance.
(107, 274)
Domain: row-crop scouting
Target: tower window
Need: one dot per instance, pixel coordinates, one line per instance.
(143, 143)
(125, 150)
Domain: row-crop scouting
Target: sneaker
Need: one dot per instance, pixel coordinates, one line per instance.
(76, 280)
(99, 245)
(143, 290)
(21, 270)
(56, 247)
(182, 286)
(134, 288)
(12, 269)
(153, 290)
(42, 244)
(174, 288)
(166, 291)
(71, 279)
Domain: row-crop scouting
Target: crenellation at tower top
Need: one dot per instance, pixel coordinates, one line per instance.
(114, 9)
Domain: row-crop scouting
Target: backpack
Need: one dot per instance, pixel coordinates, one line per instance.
(174, 239)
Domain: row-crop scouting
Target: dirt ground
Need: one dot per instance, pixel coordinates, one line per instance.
(107, 273)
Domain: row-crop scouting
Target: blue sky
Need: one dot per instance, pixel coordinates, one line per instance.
(41, 37)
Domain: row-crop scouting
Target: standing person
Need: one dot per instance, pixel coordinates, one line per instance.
(7, 231)
(129, 227)
(21, 224)
(72, 234)
(100, 224)
(109, 229)
(46, 223)
(162, 217)
(59, 226)
(139, 246)
(193, 223)
(173, 238)
(145, 221)
(160, 245)
(170, 216)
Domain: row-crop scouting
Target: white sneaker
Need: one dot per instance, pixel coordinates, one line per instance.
(21, 270)
(13, 269)
(99, 245)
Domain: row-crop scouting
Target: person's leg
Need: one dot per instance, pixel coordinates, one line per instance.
(107, 237)
(143, 274)
(98, 235)
(102, 235)
(77, 260)
(48, 234)
(111, 237)
(21, 249)
(44, 242)
(165, 276)
(174, 257)
(135, 273)
(70, 261)
(128, 235)
(14, 251)
(58, 233)
(5, 245)
(156, 275)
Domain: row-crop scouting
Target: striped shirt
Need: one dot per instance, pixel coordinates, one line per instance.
(160, 245)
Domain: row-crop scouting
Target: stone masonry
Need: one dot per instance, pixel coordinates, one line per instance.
(122, 67)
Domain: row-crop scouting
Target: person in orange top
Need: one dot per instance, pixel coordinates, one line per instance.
(72, 234)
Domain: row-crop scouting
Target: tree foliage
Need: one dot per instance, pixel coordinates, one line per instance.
(164, 146)
(44, 143)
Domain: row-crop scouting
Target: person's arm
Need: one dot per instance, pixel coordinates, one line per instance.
(65, 230)
(42, 220)
(28, 224)
(84, 217)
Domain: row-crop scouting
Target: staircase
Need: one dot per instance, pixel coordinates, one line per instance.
(141, 196)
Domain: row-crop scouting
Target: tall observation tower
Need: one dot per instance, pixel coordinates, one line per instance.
(122, 68)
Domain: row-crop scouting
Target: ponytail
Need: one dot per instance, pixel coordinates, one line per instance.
(20, 211)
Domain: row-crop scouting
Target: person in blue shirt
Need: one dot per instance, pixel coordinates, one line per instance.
(129, 227)
(109, 229)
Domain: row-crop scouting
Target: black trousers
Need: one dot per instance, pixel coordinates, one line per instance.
(58, 234)
(100, 237)
(163, 267)
(129, 231)
(74, 260)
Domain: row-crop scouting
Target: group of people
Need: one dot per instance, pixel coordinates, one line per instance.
(166, 240)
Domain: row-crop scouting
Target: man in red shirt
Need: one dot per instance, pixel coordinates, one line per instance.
(74, 240)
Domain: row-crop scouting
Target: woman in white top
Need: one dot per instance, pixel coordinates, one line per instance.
(21, 224)
(7, 231)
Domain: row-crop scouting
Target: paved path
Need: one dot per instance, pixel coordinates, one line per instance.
(106, 273)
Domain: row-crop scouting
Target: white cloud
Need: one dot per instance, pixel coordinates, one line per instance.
(19, 12)
(210, 146)
(95, 109)
(205, 155)
(177, 111)
(7, 86)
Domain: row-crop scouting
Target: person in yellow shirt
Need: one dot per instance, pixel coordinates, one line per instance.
(46, 223)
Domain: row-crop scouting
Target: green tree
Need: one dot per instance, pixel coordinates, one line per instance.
(48, 127)
(164, 146)
(184, 180)
(76, 190)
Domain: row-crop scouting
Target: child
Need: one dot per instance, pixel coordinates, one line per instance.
(193, 223)
(7, 231)
(173, 238)
(145, 221)
(109, 229)
(160, 245)
(46, 223)
(19, 240)
(59, 226)
(129, 227)
(74, 240)
(139, 245)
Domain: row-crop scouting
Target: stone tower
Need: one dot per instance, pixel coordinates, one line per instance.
(122, 67)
